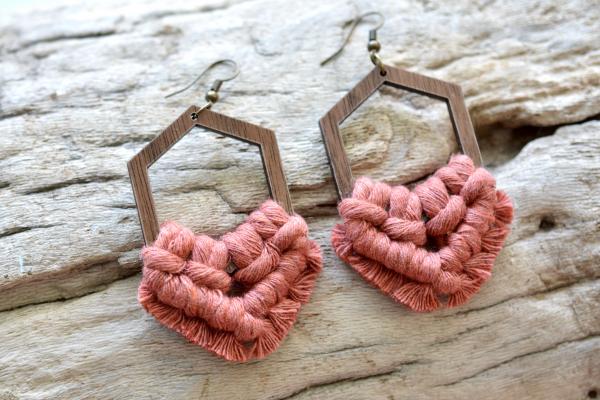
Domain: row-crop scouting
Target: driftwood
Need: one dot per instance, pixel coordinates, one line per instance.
(82, 90)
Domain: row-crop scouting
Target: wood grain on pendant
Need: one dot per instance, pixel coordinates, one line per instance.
(196, 117)
(401, 79)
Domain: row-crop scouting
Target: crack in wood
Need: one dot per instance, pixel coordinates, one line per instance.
(520, 356)
(550, 290)
(75, 181)
(459, 335)
(395, 369)
(20, 229)
(48, 280)
(59, 38)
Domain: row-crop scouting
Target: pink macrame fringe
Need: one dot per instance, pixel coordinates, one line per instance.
(387, 230)
(186, 286)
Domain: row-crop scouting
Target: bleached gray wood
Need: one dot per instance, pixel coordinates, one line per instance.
(81, 91)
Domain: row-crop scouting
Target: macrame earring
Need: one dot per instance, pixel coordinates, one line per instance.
(433, 244)
(186, 283)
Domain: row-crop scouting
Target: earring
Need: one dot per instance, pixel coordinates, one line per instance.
(187, 284)
(430, 245)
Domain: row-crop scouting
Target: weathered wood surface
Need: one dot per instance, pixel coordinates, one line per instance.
(81, 91)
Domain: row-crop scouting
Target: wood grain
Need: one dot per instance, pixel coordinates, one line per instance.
(82, 90)
(194, 116)
(400, 79)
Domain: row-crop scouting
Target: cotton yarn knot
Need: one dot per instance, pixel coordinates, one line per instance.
(188, 285)
(428, 246)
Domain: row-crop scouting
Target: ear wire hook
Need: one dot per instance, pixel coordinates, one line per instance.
(212, 96)
(374, 46)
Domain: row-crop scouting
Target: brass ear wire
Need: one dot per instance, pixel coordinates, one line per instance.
(212, 96)
(373, 46)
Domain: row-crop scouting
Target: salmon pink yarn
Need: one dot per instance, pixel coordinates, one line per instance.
(436, 243)
(188, 285)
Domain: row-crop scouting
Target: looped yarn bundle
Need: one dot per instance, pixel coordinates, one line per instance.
(434, 244)
(187, 284)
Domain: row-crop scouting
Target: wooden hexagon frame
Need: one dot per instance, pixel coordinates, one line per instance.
(264, 138)
(402, 79)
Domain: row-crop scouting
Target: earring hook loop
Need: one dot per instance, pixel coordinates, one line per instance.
(353, 25)
(212, 95)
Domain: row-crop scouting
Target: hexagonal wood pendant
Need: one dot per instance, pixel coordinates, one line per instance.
(195, 116)
(401, 79)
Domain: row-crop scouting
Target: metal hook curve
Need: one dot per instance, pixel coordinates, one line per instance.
(354, 24)
(218, 82)
(376, 13)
